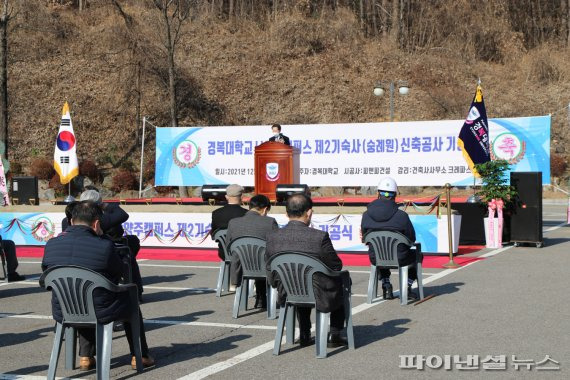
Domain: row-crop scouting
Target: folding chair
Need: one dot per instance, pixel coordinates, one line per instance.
(251, 253)
(224, 275)
(73, 286)
(296, 271)
(384, 245)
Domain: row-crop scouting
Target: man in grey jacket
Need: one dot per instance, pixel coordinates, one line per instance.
(254, 223)
(297, 236)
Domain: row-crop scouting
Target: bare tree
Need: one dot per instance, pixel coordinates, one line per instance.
(567, 22)
(395, 20)
(4, 20)
(173, 15)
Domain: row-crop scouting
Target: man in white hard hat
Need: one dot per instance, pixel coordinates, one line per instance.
(383, 215)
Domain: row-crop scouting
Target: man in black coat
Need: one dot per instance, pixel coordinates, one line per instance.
(278, 136)
(112, 225)
(383, 214)
(82, 244)
(254, 223)
(299, 237)
(222, 216)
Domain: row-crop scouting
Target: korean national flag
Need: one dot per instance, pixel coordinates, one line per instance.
(65, 156)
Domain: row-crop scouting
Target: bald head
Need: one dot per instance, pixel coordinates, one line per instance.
(299, 207)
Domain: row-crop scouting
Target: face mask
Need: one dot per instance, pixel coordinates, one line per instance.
(276, 134)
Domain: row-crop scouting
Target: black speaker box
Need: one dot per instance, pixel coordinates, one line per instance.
(526, 221)
(216, 193)
(283, 191)
(25, 190)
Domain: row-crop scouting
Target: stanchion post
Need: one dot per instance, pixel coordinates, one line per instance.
(451, 264)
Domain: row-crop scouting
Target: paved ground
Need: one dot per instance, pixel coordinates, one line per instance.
(512, 303)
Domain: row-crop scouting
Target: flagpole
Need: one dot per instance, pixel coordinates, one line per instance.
(142, 158)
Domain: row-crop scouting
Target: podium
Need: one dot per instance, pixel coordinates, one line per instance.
(275, 163)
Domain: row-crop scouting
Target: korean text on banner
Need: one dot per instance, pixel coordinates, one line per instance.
(414, 153)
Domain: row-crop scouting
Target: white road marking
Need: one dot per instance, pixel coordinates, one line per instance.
(393, 273)
(555, 227)
(149, 265)
(194, 290)
(179, 266)
(8, 376)
(207, 267)
(156, 322)
(218, 367)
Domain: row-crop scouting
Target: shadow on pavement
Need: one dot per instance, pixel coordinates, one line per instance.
(33, 369)
(11, 339)
(12, 291)
(169, 295)
(168, 321)
(150, 280)
(549, 242)
(439, 290)
(367, 334)
(182, 352)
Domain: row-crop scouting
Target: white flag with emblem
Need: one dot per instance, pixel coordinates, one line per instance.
(65, 156)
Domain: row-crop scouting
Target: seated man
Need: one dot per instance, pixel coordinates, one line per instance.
(299, 237)
(82, 244)
(66, 222)
(9, 249)
(254, 223)
(112, 225)
(221, 217)
(383, 215)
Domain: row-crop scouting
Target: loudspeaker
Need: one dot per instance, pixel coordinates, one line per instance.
(283, 191)
(216, 193)
(25, 190)
(526, 221)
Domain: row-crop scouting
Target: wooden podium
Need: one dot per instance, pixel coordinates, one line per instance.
(275, 163)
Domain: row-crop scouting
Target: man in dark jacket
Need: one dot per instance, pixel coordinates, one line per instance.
(222, 216)
(81, 244)
(278, 136)
(383, 215)
(112, 225)
(254, 223)
(299, 237)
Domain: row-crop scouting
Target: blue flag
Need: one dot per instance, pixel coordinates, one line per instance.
(474, 135)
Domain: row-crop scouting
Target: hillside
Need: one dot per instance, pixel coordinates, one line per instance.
(294, 65)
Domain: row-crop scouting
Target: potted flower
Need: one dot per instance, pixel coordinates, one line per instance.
(497, 195)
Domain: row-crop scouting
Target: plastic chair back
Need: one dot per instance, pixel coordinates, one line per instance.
(73, 286)
(220, 238)
(384, 245)
(251, 253)
(296, 270)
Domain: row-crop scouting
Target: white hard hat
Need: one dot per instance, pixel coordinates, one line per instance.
(388, 184)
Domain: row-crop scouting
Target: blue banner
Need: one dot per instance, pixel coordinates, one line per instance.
(419, 153)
